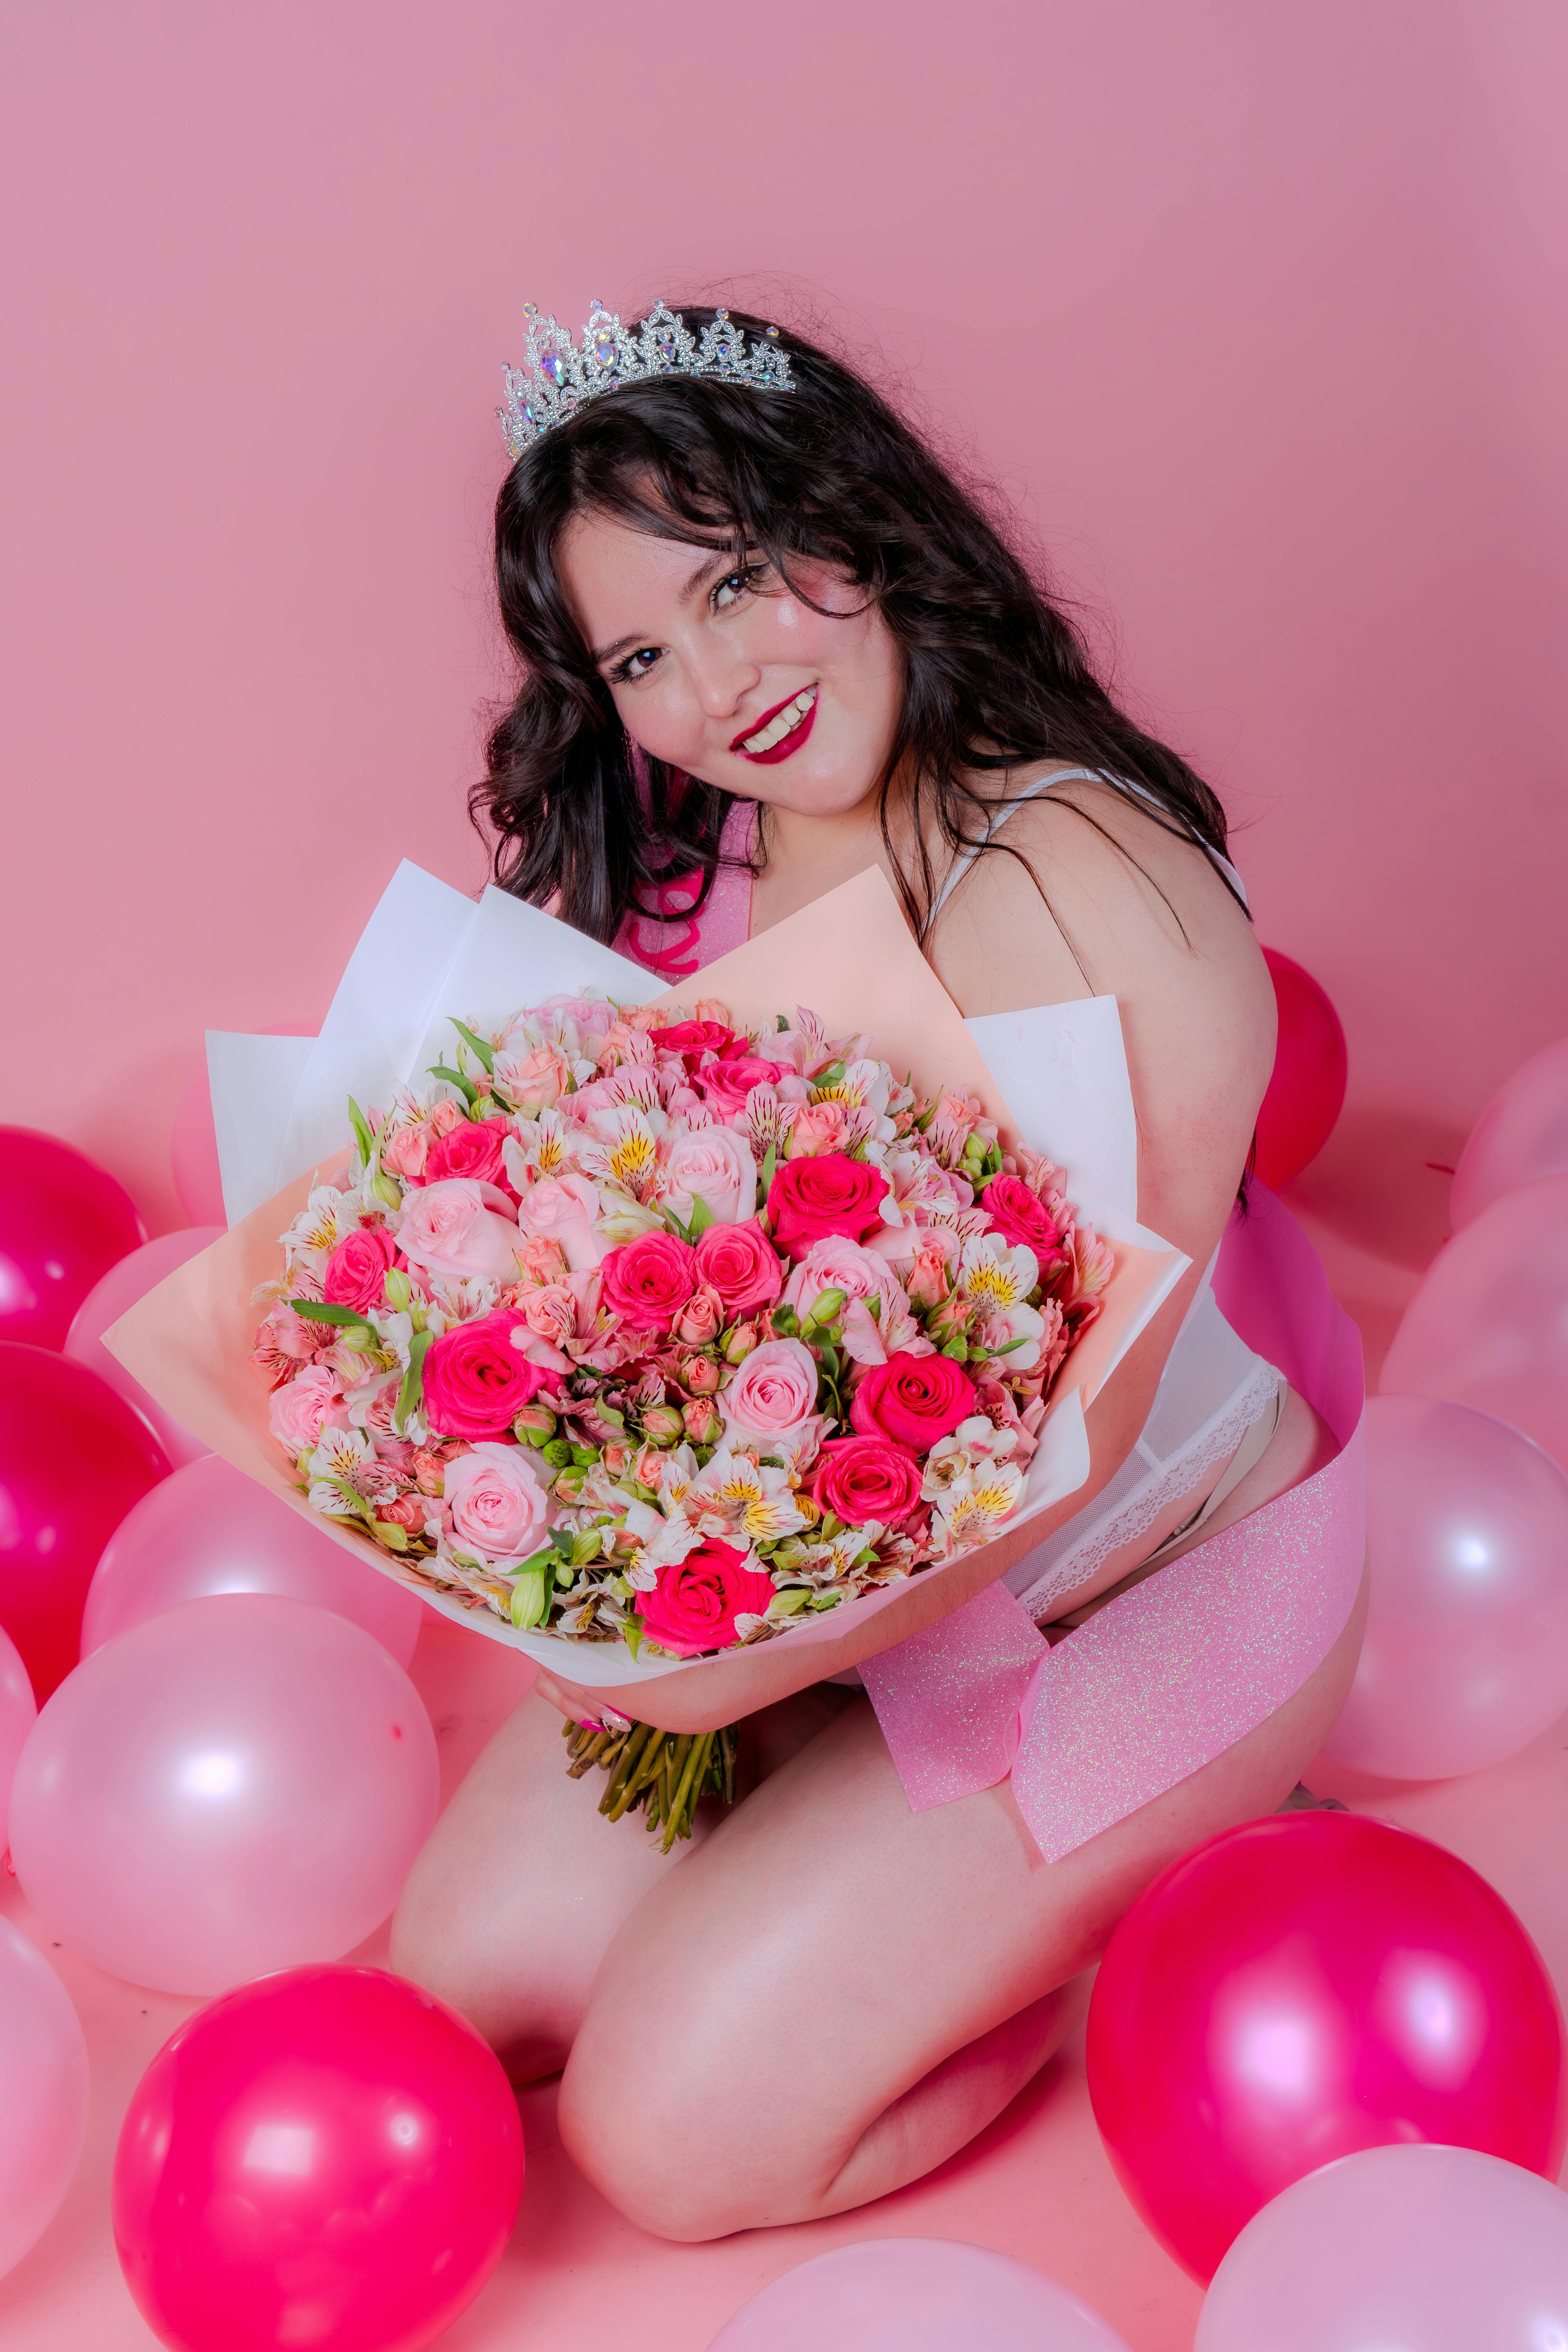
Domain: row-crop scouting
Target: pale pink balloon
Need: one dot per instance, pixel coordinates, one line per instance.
(1522, 1136)
(1489, 1326)
(109, 1299)
(238, 1785)
(1466, 1654)
(18, 1713)
(915, 2294)
(209, 1529)
(43, 2094)
(1402, 2249)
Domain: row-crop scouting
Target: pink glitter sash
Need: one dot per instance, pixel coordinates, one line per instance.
(1172, 1672)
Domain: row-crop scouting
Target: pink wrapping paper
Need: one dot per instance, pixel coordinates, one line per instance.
(1175, 1671)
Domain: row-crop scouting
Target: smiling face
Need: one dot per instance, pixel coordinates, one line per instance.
(728, 676)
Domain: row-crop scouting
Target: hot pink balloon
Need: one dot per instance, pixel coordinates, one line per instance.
(1489, 1326)
(109, 1299)
(73, 1460)
(64, 1220)
(1307, 1087)
(43, 2094)
(1466, 1654)
(18, 1713)
(329, 2157)
(915, 2294)
(1301, 1988)
(193, 1154)
(1522, 1136)
(239, 1784)
(211, 1529)
(1428, 2249)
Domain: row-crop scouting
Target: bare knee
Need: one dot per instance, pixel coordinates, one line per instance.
(446, 1935)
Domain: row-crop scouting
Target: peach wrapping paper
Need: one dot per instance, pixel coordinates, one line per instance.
(428, 953)
(1172, 1672)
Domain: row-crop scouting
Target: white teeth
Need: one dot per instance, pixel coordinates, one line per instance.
(788, 719)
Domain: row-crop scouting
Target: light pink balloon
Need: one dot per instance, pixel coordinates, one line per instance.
(238, 1785)
(1522, 1136)
(43, 2094)
(1466, 1654)
(915, 2294)
(18, 1713)
(209, 1529)
(1489, 1327)
(109, 1299)
(1404, 2249)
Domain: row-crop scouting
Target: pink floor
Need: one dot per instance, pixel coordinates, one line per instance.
(1036, 2185)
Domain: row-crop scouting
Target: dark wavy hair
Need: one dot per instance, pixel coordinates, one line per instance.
(996, 675)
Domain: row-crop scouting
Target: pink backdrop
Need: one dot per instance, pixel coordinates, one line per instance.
(1247, 306)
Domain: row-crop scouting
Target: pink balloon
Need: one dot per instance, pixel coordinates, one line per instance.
(1307, 1086)
(209, 1529)
(43, 2094)
(1522, 1136)
(239, 1784)
(64, 1220)
(1466, 1654)
(329, 2158)
(73, 1459)
(915, 2294)
(1428, 2249)
(193, 1154)
(108, 1299)
(1489, 1326)
(18, 1713)
(1301, 1988)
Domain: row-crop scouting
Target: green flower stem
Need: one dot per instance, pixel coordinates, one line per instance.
(662, 1773)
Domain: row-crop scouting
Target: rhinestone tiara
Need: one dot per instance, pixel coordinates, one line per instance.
(556, 378)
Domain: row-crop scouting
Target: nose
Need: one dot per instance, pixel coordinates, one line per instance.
(722, 678)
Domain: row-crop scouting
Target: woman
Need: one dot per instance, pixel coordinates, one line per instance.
(768, 641)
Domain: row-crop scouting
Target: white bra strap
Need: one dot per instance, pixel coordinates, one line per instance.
(1043, 784)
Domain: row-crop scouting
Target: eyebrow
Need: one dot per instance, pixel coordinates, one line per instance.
(704, 571)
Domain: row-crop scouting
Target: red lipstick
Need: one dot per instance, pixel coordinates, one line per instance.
(787, 743)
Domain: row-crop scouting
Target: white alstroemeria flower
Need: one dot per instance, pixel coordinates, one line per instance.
(676, 1537)
(624, 1148)
(327, 1217)
(743, 1493)
(995, 1277)
(542, 1147)
(677, 1474)
(975, 1506)
(1010, 1337)
(622, 1219)
(340, 1453)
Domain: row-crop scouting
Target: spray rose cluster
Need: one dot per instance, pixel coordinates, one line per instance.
(646, 1329)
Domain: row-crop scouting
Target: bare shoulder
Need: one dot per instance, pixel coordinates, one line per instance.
(1122, 907)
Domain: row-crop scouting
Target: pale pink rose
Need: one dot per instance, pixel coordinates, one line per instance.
(702, 1318)
(713, 1165)
(448, 1231)
(551, 1311)
(773, 1397)
(926, 1281)
(534, 1079)
(405, 1150)
(544, 1260)
(407, 1511)
(818, 1127)
(834, 1263)
(299, 1412)
(496, 1504)
(561, 1210)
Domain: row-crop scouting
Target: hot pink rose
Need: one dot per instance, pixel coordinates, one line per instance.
(773, 1397)
(832, 1194)
(472, 1149)
(725, 1084)
(648, 1281)
(561, 1210)
(861, 1478)
(448, 1231)
(692, 1039)
(697, 1600)
(497, 1504)
(741, 1263)
(303, 1407)
(357, 1269)
(711, 1164)
(914, 1400)
(476, 1378)
(1020, 1215)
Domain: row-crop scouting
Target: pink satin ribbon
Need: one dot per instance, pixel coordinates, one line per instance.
(1170, 1674)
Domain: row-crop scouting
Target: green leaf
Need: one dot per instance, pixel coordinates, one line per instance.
(631, 1634)
(770, 1170)
(386, 1532)
(411, 1395)
(464, 1086)
(1009, 1347)
(362, 1136)
(682, 1233)
(784, 1024)
(483, 1054)
(701, 1218)
(529, 1601)
(322, 1310)
(957, 1347)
